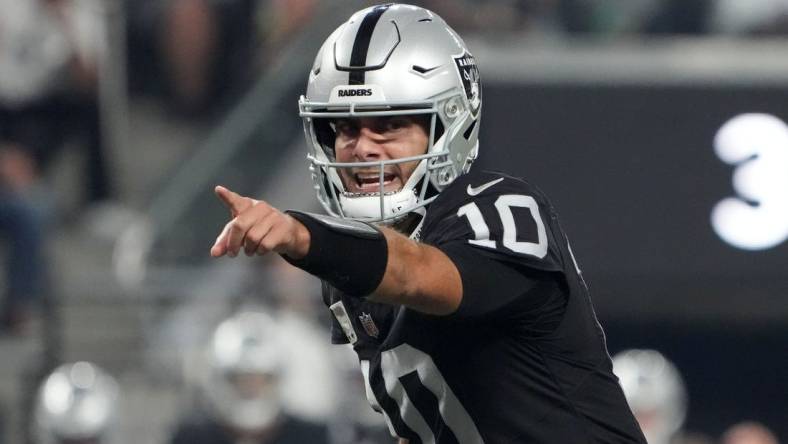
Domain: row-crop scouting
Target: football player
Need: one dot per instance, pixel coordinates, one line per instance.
(456, 287)
(655, 391)
(242, 385)
(77, 404)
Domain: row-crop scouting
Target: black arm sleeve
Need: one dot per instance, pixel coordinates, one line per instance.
(350, 255)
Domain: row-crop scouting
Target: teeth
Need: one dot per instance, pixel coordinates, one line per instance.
(363, 179)
(369, 182)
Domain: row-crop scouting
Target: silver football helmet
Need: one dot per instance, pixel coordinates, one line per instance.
(243, 381)
(77, 401)
(392, 60)
(655, 392)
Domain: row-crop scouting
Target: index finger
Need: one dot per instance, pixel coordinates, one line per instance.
(232, 200)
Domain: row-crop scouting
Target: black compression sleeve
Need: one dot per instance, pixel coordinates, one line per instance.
(350, 255)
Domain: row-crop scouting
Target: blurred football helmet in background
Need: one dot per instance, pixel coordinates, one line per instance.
(76, 403)
(392, 60)
(242, 384)
(655, 392)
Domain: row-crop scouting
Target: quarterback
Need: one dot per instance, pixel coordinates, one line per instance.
(457, 288)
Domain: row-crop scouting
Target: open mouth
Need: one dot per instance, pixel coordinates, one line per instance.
(369, 182)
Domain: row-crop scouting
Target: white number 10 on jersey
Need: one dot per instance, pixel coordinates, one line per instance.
(504, 206)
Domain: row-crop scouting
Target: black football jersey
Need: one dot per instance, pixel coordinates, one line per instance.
(522, 360)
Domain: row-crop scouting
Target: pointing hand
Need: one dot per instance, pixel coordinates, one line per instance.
(258, 228)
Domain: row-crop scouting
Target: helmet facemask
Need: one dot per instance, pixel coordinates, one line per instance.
(434, 171)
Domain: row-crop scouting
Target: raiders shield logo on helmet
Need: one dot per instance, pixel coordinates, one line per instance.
(469, 75)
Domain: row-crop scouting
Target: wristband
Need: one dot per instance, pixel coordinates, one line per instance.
(349, 255)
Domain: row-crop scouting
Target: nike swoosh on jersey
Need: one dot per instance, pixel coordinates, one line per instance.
(475, 191)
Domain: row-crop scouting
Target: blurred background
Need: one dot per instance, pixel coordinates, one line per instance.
(656, 126)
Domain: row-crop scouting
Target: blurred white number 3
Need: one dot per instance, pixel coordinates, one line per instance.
(756, 219)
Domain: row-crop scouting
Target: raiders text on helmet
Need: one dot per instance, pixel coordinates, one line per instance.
(355, 92)
(393, 60)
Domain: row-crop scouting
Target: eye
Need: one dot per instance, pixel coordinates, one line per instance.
(395, 123)
(345, 127)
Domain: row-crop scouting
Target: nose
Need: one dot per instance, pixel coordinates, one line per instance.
(368, 147)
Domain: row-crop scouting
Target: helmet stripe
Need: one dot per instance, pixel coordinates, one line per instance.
(358, 56)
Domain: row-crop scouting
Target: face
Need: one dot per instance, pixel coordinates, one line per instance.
(373, 139)
(253, 385)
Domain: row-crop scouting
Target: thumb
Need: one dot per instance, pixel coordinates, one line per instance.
(232, 200)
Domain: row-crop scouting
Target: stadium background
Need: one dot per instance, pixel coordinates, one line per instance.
(614, 119)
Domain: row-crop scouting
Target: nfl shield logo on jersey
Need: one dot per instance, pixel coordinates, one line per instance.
(369, 324)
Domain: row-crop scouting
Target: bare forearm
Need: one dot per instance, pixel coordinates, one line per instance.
(418, 276)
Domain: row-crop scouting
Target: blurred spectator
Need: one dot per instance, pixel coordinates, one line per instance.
(688, 17)
(655, 392)
(22, 224)
(597, 17)
(77, 404)
(748, 432)
(50, 52)
(498, 15)
(42, 62)
(207, 49)
(278, 21)
(754, 17)
(196, 54)
(243, 386)
(633, 17)
(200, 55)
(190, 43)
